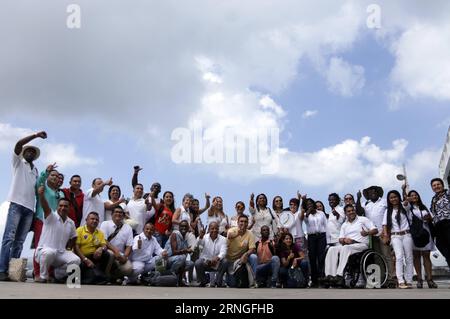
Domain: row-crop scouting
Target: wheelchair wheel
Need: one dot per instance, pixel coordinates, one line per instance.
(374, 268)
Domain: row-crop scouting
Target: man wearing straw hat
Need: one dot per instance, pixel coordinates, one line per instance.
(22, 198)
(374, 209)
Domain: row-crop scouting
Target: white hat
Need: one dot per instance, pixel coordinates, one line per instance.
(37, 150)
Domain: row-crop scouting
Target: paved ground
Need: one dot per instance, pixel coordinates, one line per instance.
(29, 290)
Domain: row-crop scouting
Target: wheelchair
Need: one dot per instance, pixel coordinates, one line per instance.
(363, 270)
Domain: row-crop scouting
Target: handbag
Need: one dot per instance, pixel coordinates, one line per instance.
(296, 278)
(420, 236)
(17, 269)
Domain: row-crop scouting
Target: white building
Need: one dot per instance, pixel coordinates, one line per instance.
(444, 164)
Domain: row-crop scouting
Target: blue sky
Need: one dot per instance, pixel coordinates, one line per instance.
(111, 93)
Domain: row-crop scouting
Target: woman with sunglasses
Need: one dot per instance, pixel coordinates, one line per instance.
(277, 205)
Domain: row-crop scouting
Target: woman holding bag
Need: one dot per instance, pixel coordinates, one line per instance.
(417, 207)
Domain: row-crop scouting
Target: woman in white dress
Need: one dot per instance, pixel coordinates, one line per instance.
(240, 209)
(216, 214)
(277, 205)
(115, 200)
(417, 207)
(262, 216)
(183, 213)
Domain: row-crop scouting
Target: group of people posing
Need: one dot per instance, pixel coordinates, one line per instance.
(122, 241)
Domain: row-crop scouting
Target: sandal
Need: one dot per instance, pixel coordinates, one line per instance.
(431, 284)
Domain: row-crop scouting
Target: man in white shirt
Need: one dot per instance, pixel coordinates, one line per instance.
(22, 198)
(146, 252)
(335, 220)
(213, 252)
(374, 210)
(120, 237)
(138, 209)
(155, 189)
(58, 235)
(93, 202)
(353, 239)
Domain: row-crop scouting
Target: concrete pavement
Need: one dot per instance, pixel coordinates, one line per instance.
(30, 290)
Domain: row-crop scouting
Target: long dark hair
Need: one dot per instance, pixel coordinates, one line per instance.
(273, 202)
(110, 190)
(419, 203)
(256, 201)
(282, 246)
(390, 208)
(172, 206)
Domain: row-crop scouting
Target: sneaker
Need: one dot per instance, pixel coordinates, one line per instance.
(40, 280)
(4, 276)
(403, 286)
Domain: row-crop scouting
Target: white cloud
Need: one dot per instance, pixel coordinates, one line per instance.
(309, 113)
(9, 136)
(65, 155)
(422, 66)
(348, 165)
(344, 78)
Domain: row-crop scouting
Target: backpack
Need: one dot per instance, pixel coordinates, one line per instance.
(241, 277)
(420, 236)
(160, 279)
(296, 279)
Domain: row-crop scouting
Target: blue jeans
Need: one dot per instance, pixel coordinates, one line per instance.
(263, 271)
(161, 239)
(17, 226)
(231, 280)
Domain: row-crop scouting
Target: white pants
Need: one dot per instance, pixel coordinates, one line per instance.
(337, 257)
(140, 267)
(47, 257)
(403, 248)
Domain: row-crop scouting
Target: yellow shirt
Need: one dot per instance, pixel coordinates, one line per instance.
(240, 244)
(89, 242)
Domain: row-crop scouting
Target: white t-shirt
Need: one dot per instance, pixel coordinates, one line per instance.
(184, 215)
(375, 212)
(334, 225)
(137, 210)
(264, 217)
(149, 248)
(109, 212)
(123, 238)
(316, 223)
(23, 185)
(353, 229)
(404, 225)
(93, 204)
(56, 232)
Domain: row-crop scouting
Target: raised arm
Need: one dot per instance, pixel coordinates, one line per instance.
(134, 179)
(43, 201)
(252, 202)
(176, 217)
(98, 189)
(19, 145)
(359, 209)
(207, 205)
